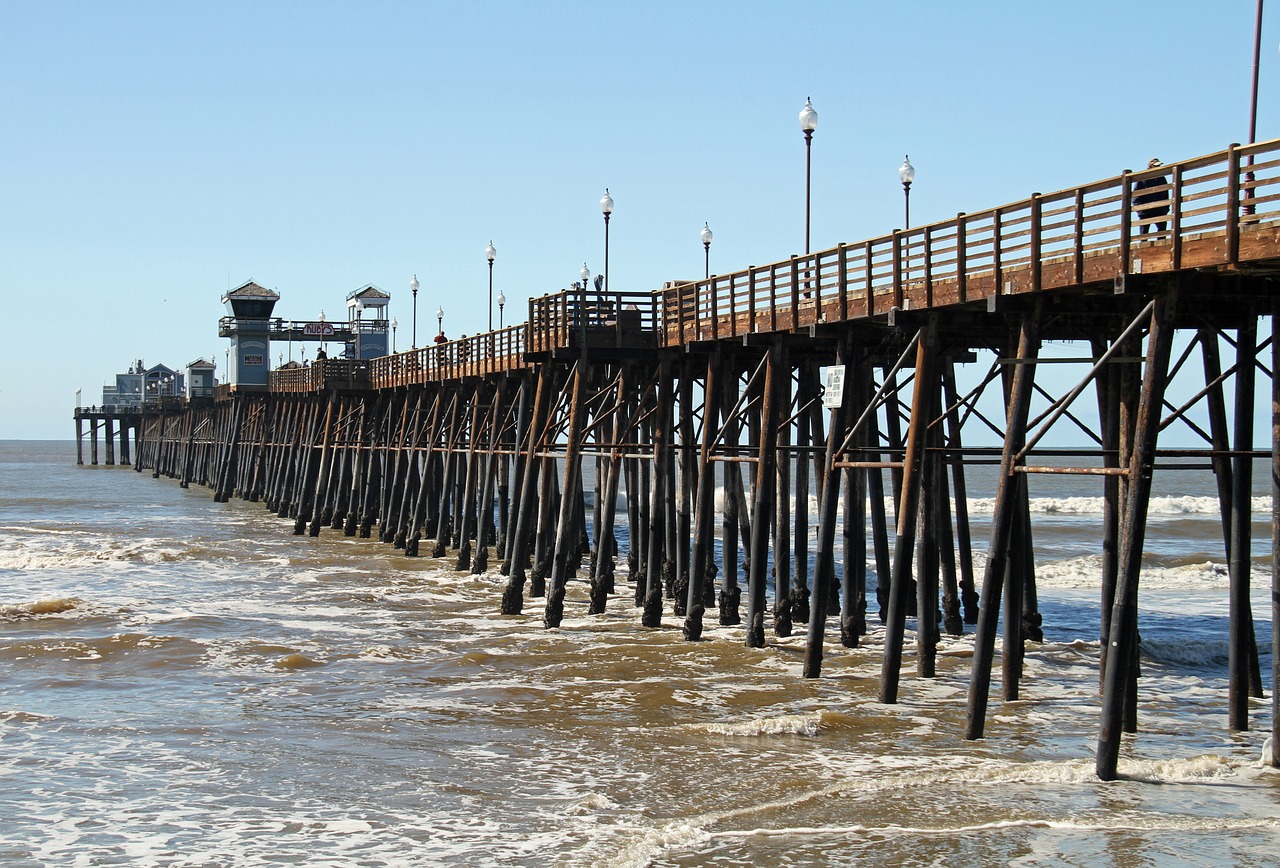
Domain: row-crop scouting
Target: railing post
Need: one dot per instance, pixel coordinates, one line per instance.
(871, 297)
(897, 269)
(928, 266)
(733, 304)
(1175, 217)
(962, 258)
(842, 263)
(715, 307)
(1233, 204)
(1078, 258)
(795, 292)
(996, 238)
(773, 296)
(1036, 265)
(1126, 218)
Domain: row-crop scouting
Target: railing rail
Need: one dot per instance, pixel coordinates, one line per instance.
(488, 353)
(1219, 209)
(322, 374)
(575, 318)
(1084, 234)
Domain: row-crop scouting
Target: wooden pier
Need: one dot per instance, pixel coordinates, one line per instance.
(479, 445)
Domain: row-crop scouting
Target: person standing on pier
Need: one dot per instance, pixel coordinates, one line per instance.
(1157, 199)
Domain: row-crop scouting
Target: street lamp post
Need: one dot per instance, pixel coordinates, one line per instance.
(606, 208)
(394, 325)
(490, 253)
(706, 249)
(502, 302)
(439, 320)
(808, 123)
(1253, 109)
(413, 287)
(907, 173)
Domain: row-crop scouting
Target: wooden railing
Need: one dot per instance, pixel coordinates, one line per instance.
(577, 318)
(1221, 211)
(322, 374)
(488, 353)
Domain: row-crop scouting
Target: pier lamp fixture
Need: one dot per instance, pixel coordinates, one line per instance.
(490, 253)
(394, 325)
(706, 249)
(585, 274)
(502, 302)
(907, 173)
(440, 321)
(606, 208)
(808, 123)
(323, 343)
(413, 287)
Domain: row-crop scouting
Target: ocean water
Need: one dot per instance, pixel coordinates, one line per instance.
(187, 683)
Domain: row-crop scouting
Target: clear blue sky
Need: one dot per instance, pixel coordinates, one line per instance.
(156, 154)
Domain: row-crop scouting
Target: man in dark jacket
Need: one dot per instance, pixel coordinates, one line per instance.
(1153, 193)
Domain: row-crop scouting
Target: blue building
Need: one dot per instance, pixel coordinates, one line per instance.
(249, 327)
(141, 384)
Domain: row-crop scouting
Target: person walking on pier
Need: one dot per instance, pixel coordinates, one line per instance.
(1157, 199)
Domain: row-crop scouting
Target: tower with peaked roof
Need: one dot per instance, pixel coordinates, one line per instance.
(249, 327)
(367, 311)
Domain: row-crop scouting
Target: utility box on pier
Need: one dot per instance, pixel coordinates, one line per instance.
(249, 328)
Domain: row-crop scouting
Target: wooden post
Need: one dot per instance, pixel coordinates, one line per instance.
(963, 542)
(782, 623)
(602, 568)
(1107, 386)
(766, 482)
(909, 499)
(1002, 522)
(686, 484)
(704, 507)
(544, 535)
(659, 514)
(489, 459)
(565, 538)
(1274, 759)
(853, 597)
(468, 517)
(513, 596)
(1240, 621)
(927, 562)
(806, 393)
(730, 593)
(824, 567)
(1124, 617)
(109, 421)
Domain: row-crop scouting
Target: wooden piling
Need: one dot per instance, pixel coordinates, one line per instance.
(1124, 616)
(1002, 522)
(908, 502)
